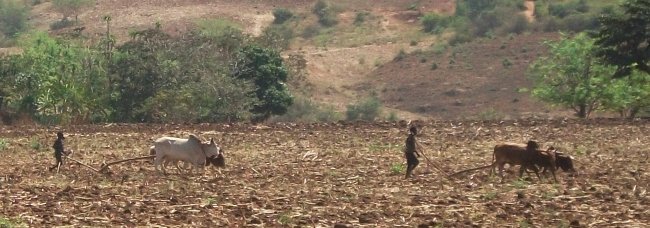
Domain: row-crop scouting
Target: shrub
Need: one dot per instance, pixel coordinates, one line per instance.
(506, 63)
(63, 23)
(518, 25)
(580, 22)
(434, 66)
(360, 18)
(310, 31)
(326, 15)
(558, 9)
(13, 17)
(460, 37)
(305, 110)
(400, 55)
(432, 21)
(277, 36)
(281, 15)
(368, 109)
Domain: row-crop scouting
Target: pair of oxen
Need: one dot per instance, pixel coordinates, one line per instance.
(190, 151)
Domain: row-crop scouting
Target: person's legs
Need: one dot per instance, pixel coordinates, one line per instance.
(411, 162)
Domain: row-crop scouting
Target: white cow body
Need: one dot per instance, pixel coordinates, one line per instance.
(191, 150)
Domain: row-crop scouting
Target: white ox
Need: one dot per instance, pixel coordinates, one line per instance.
(191, 150)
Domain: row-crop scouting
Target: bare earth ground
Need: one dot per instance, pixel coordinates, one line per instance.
(322, 174)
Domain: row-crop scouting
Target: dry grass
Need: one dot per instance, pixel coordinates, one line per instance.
(321, 174)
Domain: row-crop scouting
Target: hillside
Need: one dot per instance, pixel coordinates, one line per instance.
(483, 79)
(346, 63)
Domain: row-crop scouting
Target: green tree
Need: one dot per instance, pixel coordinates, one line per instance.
(264, 68)
(629, 95)
(159, 78)
(571, 75)
(56, 81)
(13, 17)
(624, 37)
(71, 7)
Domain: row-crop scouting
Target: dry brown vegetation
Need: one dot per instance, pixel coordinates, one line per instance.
(322, 174)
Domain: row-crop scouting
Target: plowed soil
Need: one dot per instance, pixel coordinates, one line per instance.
(324, 174)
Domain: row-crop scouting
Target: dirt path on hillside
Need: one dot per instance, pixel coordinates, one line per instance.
(336, 72)
(175, 18)
(530, 10)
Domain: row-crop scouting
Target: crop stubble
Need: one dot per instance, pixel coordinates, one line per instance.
(321, 174)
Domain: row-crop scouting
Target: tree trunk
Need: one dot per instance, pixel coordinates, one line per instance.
(582, 111)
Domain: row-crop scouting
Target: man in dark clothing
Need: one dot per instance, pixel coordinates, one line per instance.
(58, 150)
(410, 152)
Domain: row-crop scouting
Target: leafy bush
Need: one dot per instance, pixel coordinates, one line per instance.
(562, 10)
(432, 22)
(368, 109)
(311, 31)
(305, 110)
(63, 23)
(460, 37)
(517, 26)
(277, 37)
(13, 17)
(580, 22)
(360, 18)
(559, 10)
(227, 34)
(326, 16)
(281, 15)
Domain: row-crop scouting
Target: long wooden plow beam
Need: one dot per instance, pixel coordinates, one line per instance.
(106, 165)
(81, 163)
(432, 163)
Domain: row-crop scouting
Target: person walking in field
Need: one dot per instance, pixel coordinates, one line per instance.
(58, 151)
(411, 152)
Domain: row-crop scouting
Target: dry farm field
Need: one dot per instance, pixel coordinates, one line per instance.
(319, 175)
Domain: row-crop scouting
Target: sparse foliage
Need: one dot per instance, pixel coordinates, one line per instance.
(13, 17)
(432, 22)
(281, 15)
(571, 75)
(326, 16)
(624, 38)
(70, 8)
(368, 109)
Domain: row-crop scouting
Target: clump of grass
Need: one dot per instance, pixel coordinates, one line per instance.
(9, 223)
(490, 195)
(397, 168)
(520, 183)
(285, 219)
(3, 144)
(400, 55)
(35, 144)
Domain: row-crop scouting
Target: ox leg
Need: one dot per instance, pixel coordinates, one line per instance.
(500, 167)
(158, 163)
(554, 178)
